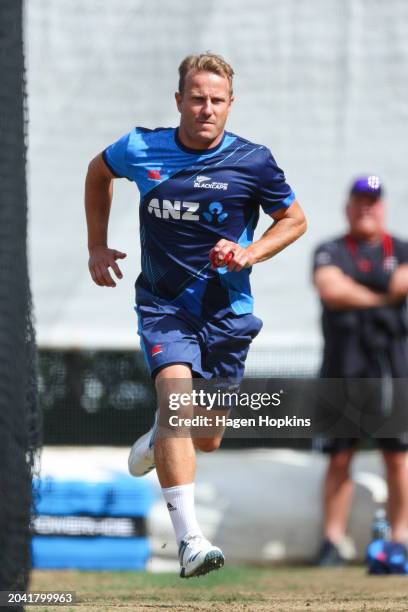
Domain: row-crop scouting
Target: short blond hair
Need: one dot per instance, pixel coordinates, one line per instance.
(205, 61)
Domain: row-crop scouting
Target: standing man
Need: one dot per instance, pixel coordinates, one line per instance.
(362, 280)
(201, 188)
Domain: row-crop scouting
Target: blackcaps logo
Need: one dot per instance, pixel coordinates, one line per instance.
(205, 182)
(215, 214)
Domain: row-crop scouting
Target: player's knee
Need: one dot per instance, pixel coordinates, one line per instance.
(395, 461)
(207, 445)
(340, 462)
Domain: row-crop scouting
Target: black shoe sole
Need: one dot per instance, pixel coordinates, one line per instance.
(213, 560)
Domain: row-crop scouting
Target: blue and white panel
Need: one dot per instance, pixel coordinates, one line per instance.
(81, 524)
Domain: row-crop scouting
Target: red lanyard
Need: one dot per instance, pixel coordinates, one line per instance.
(365, 265)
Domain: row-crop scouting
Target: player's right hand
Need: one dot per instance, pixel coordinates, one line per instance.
(101, 258)
(218, 260)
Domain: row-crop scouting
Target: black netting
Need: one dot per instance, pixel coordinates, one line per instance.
(19, 416)
(94, 397)
(107, 397)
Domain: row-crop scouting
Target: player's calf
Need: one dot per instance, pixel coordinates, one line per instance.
(207, 445)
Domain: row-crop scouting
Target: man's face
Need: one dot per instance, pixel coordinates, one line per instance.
(204, 106)
(366, 216)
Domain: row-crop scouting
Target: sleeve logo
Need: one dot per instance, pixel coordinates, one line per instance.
(154, 175)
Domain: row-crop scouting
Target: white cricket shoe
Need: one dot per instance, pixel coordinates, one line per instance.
(198, 557)
(141, 456)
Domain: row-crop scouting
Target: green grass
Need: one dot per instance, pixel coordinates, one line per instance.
(232, 588)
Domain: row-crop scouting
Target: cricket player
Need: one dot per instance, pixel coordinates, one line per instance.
(200, 192)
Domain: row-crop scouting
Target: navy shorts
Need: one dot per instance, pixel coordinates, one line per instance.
(332, 446)
(214, 349)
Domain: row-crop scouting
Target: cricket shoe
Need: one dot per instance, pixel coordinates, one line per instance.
(329, 555)
(198, 557)
(141, 456)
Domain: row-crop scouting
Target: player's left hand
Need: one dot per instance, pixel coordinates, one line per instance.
(240, 259)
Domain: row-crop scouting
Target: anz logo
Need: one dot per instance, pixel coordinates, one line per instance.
(186, 211)
(215, 213)
(166, 209)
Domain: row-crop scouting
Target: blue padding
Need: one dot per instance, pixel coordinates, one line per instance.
(123, 496)
(98, 553)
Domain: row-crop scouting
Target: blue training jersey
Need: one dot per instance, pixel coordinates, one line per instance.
(189, 200)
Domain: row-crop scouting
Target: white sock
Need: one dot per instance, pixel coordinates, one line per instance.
(180, 504)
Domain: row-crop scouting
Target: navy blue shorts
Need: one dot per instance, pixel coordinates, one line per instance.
(214, 349)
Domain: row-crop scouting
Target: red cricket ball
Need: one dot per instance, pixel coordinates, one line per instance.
(216, 262)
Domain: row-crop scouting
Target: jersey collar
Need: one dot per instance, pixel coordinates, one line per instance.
(197, 151)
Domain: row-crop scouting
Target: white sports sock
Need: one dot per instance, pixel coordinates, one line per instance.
(180, 504)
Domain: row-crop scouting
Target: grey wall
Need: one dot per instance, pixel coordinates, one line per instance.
(322, 82)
